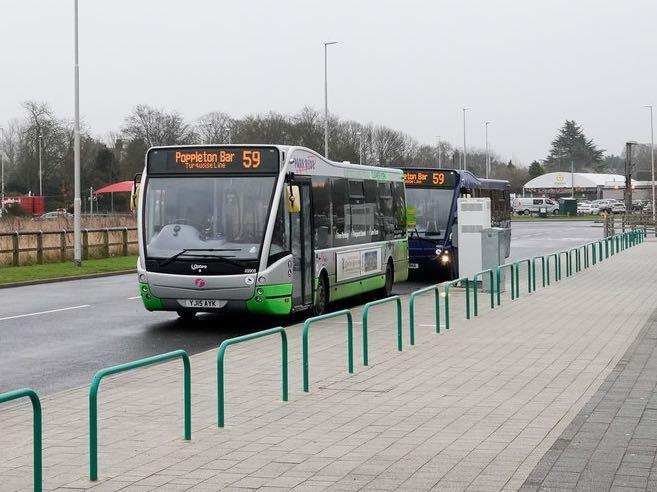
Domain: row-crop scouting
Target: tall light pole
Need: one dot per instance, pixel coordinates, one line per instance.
(77, 233)
(326, 122)
(40, 166)
(465, 149)
(360, 147)
(227, 130)
(487, 151)
(652, 162)
(440, 164)
(2, 177)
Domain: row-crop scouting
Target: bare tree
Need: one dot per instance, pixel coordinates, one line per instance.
(213, 127)
(157, 127)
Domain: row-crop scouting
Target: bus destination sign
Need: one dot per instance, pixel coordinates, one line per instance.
(188, 160)
(440, 179)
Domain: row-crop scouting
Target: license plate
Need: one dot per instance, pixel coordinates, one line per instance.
(202, 303)
(413, 266)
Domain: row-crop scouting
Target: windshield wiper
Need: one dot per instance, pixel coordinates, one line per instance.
(187, 250)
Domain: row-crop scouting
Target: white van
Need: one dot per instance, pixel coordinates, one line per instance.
(528, 206)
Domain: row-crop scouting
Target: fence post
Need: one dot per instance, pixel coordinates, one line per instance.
(106, 247)
(350, 341)
(14, 244)
(244, 338)
(542, 270)
(62, 245)
(39, 247)
(108, 371)
(411, 310)
(85, 244)
(124, 238)
(529, 275)
(36, 429)
(366, 309)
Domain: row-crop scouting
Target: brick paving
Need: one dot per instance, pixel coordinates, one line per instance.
(475, 408)
(612, 443)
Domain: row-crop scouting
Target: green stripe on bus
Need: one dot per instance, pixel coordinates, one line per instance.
(275, 299)
(151, 302)
(356, 287)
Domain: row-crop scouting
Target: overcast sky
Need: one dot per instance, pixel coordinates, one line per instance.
(525, 65)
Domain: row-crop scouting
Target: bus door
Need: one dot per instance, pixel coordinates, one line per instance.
(302, 251)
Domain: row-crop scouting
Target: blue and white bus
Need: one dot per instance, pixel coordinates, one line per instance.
(431, 199)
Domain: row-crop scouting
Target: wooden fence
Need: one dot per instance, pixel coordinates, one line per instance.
(30, 247)
(616, 224)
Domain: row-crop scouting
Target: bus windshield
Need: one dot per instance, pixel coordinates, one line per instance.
(432, 208)
(208, 216)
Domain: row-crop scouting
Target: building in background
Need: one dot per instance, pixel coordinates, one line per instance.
(591, 186)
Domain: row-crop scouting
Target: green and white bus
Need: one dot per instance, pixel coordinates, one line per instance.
(270, 229)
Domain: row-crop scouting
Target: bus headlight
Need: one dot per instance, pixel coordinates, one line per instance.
(258, 299)
(444, 259)
(259, 291)
(438, 251)
(144, 288)
(262, 279)
(142, 278)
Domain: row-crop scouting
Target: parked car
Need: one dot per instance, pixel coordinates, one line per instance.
(595, 208)
(605, 205)
(618, 208)
(528, 206)
(584, 207)
(55, 216)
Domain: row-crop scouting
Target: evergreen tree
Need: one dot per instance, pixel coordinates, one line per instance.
(535, 170)
(571, 145)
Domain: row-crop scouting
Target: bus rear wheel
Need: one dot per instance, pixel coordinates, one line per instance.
(386, 290)
(186, 314)
(321, 296)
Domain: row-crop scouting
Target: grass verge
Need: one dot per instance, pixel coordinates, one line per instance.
(31, 273)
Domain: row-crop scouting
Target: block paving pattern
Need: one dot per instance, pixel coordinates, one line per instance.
(475, 408)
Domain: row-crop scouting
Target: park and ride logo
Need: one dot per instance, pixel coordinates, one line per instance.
(303, 164)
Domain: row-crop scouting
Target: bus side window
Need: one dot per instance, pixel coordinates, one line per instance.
(386, 222)
(358, 212)
(341, 212)
(399, 201)
(374, 230)
(322, 212)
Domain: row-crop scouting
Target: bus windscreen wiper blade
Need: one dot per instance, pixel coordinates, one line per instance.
(187, 250)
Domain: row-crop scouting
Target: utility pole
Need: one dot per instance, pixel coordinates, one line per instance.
(326, 121)
(360, 147)
(652, 163)
(77, 232)
(465, 149)
(572, 178)
(628, 176)
(40, 166)
(487, 152)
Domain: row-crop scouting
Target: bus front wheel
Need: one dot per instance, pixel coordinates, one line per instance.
(321, 296)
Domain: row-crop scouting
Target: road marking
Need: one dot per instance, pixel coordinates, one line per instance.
(132, 298)
(45, 312)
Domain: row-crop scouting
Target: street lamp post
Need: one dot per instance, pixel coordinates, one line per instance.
(40, 166)
(77, 233)
(487, 152)
(360, 147)
(465, 149)
(227, 130)
(652, 162)
(326, 122)
(440, 164)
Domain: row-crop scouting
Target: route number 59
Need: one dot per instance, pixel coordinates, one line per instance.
(251, 159)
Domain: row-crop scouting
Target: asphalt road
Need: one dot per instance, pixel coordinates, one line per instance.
(56, 336)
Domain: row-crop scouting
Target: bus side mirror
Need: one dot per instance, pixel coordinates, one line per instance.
(292, 199)
(134, 193)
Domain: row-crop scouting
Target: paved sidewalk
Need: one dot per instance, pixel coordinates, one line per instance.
(475, 408)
